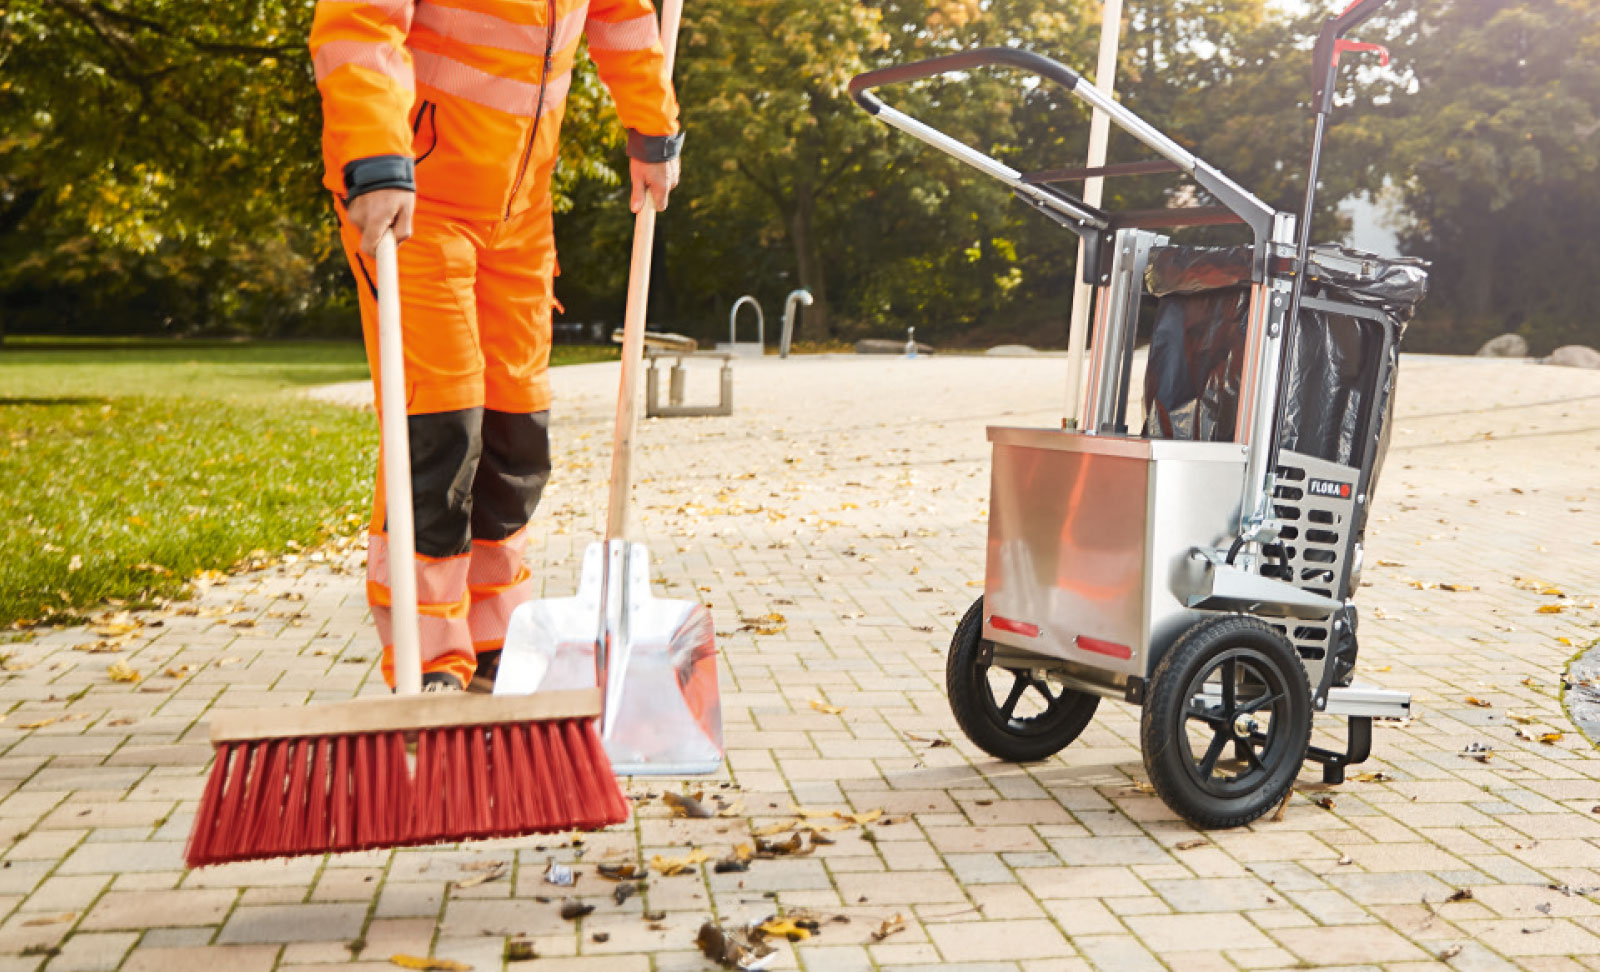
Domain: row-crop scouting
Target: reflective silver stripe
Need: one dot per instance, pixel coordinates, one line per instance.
(439, 636)
(499, 563)
(439, 581)
(488, 618)
(386, 59)
(570, 27)
(470, 84)
(486, 30)
(555, 93)
(638, 34)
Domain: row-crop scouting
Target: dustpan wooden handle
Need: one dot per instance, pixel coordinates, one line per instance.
(397, 474)
(619, 520)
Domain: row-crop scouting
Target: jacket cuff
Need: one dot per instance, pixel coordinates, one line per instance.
(654, 148)
(379, 172)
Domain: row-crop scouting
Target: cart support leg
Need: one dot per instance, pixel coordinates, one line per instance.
(1358, 748)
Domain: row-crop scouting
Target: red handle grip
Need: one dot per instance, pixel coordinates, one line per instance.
(1341, 45)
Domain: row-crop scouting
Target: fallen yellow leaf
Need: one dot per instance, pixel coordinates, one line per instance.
(860, 818)
(1551, 738)
(771, 829)
(784, 928)
(670, 866)
(39, 723)
(817, 828)
(1549, 609)
(120, 672)
(825, 708)
(50, 919)
(428, 964)
(1480, 703)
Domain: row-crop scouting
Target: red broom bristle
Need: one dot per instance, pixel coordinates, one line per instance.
(504, 789)
(266, 789)
(294, 799)
(361, 789)
(530, 806)
(206, 817)
(478, 777)
(427, 812)
(275, 798)
(403, 789)
(342, 836)
(314, 831)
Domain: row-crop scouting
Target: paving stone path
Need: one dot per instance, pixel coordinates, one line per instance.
(849, 496)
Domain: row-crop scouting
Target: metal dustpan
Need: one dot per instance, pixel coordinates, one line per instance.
(655, 658)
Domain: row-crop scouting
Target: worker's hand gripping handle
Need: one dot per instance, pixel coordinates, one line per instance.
(619, 516)
(397, 474)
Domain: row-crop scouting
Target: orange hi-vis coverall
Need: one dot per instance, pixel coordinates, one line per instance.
(462, 101)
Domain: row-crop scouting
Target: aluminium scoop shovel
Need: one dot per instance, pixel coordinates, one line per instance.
(655, 659)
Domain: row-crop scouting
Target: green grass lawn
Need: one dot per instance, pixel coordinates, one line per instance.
(127, 467)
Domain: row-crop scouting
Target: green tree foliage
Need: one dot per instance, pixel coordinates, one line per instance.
(1495, 144)
(159, 164)
(159, 170)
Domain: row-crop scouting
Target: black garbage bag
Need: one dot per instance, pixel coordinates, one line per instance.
(1336, 373)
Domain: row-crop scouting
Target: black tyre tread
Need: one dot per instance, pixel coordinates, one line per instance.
(971, 715)
(1160, 697)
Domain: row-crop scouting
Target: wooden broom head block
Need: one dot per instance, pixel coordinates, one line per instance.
(400, 713)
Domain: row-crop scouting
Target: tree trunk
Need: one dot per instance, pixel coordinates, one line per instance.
(813, 276)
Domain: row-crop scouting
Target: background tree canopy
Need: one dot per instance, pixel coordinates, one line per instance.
(158, 169)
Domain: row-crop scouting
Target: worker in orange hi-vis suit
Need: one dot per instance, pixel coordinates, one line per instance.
(442, 122)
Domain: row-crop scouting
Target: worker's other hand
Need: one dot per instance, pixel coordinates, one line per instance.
(380, 209)
(656, 178)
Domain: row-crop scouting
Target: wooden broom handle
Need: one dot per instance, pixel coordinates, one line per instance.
(397, 474)
(619, 520)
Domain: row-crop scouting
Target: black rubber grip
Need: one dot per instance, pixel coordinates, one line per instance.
(862, 84)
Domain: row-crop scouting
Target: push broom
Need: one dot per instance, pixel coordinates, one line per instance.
(337, 777)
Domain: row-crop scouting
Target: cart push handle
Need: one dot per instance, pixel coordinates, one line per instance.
(862, 84)
(1088, 221)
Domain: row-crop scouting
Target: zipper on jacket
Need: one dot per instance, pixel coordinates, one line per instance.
(430, 110)
(538, 112)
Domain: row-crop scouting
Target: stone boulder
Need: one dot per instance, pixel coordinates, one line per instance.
(1505, 346)
(883, 346)
(1575, 356)
(1010, 351)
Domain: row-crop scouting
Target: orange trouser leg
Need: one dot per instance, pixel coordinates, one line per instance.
(516, 271)
(444, 392)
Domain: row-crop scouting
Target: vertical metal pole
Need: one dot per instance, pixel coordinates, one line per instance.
(1105, 78)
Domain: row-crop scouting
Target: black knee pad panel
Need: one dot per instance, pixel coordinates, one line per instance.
(511, 473)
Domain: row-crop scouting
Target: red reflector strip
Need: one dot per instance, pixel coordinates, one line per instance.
(1104, 647)
(1015, 627)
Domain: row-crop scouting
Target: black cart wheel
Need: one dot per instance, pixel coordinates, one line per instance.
(1009, 713)
(1226, 721)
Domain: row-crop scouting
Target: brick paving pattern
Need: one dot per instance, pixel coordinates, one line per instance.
(849, 495)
